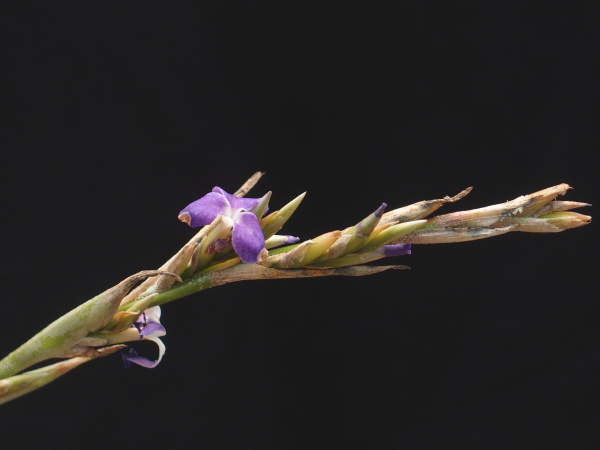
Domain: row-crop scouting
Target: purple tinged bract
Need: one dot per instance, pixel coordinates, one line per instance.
(380, 210)
(247, 237)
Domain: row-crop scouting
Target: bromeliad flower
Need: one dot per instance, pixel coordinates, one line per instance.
(149, 323)
(247, 237)
(149, 328)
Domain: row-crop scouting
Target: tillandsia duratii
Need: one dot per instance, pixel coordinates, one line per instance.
(237, 241)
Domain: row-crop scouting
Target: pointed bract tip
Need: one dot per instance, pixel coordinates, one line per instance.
(185, 217)
(380, 210)
(294, 203)
(266, 197)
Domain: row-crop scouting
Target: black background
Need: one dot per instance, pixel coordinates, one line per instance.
(115, 115)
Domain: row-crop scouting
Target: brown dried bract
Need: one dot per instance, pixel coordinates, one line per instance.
(248, 184)
(519, 207)
(421, 209)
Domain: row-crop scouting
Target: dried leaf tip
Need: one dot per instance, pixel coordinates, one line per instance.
(421, 209)
(242, 191)
(185, 217)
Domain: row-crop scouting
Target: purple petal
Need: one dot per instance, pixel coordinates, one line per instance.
(205, 210)
(396, 250)
(247, 237)
(133, 357)
(152, 327)
(291, 239)
(246, 204)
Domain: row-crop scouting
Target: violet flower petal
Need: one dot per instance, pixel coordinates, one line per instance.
(148, 324)
(291, 239)
(205, 210)
(151, 328)
(247, 237)
(247, 204)
(396, 250)
(133, 357)
(139, 360)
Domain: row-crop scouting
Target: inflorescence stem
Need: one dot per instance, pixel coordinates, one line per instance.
(208, 259)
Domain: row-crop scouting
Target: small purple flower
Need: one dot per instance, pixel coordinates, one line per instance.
(247, 237)
(149, 328)
(149, 323)
(396, 250)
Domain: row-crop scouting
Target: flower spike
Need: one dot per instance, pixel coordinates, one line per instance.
(232, 222)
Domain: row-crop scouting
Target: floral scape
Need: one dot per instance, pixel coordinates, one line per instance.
(237, 241)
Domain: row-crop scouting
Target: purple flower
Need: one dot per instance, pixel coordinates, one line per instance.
(247, 237)
(149, 323)
(149, 327)
(396, 250)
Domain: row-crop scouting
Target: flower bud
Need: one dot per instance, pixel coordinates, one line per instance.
(276, 240)
(363, 230)
(378, 229)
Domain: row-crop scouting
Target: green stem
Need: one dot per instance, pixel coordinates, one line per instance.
(197, 283)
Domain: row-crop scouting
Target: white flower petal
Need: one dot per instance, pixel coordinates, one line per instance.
(153, 314)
